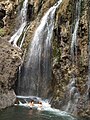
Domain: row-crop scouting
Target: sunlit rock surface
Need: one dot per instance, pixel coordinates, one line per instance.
(9, 61)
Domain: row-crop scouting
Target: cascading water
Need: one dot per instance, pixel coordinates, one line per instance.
(23, 14)
(35, 76)
(73, 91)
(74, 35)
(72, 97)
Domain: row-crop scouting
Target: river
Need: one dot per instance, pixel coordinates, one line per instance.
(22, 113)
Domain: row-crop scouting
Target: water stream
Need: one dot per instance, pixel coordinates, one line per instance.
(74, 94)
(74, 42)
(23, 14)
(35, 73)
(20, 113)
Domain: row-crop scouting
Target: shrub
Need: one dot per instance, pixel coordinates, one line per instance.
(2, 32)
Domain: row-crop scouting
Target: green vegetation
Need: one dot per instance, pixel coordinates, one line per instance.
(2, 32)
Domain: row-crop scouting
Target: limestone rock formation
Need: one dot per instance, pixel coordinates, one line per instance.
(62, 67)
(62, 61)
(9, 61)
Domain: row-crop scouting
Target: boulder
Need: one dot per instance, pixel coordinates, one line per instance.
(7, 99)
(9, 61)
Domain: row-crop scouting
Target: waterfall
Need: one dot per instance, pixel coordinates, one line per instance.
(35, 74)
(23, 14)
(74, 94)
(74, 35)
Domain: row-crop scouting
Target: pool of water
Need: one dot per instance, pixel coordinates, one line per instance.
(22, 113)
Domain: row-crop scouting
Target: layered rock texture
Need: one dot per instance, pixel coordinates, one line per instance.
(10, 57)
(62, 67)
(9, 61)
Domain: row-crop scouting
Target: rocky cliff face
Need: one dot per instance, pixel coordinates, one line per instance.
(62, 59)
(10, 57)
(9, 61)
(62, 68)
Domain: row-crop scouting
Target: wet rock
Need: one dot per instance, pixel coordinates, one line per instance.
(7, 99)
(30, 12)
(2, 13)
(61, 61)
(63, 68)
(1, 24)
